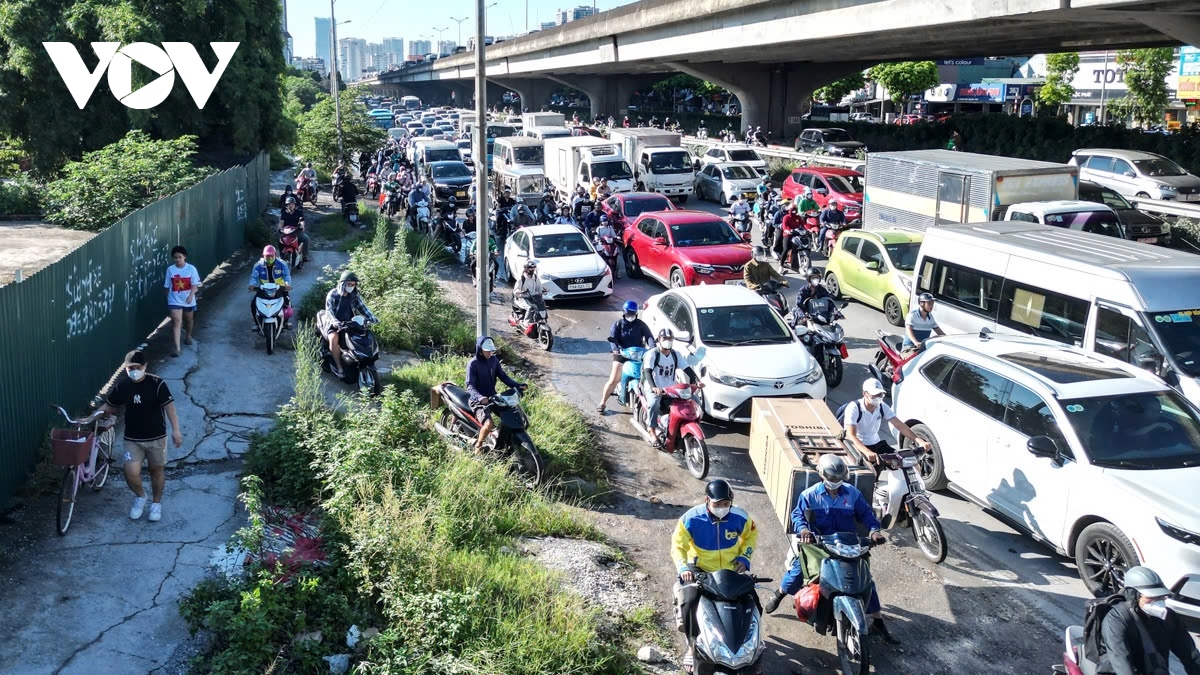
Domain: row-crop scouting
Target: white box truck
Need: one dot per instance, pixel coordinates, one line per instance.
(660, 163)
(543, 119)
(575, 160)
(919, 189)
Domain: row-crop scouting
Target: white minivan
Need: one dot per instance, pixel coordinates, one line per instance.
(1134, 302)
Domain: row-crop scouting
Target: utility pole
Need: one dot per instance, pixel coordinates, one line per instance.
(1103, 87)
(482, 259)
(459, 21)
(333, 78)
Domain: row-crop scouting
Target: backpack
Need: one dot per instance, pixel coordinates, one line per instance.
(841, 415)
(1093, 618)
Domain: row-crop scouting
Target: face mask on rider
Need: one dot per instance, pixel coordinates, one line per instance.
(719, 511)
(666, 345)
(631, 316)
(135, 374)
(1156, 608)
(833, 484)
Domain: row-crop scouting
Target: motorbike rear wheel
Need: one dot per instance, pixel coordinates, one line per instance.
(526, 461)
(695, 455)
(852, 650)
(545, 337)
(368, 378)
(931, 539)
(833, 371)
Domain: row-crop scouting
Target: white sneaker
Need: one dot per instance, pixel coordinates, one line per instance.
(155, 512)
(138, 505)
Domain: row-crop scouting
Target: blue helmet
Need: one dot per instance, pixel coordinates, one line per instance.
(630, 306)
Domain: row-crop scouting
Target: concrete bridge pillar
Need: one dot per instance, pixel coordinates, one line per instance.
(1184, 28)
(534, 91)
(607, 94)
(462, 91)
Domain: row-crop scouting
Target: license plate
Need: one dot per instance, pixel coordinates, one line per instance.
(578, 287)
(735, 282)
(1149, 240)
(460, 194)
(1190, 198)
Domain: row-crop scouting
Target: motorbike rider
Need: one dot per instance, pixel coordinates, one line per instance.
(763, 187)
(342, 304)
(527, 286)
(759, 271)
(813, 290)
(659, 368)
(270, 270)
(791, 225)
(293, 216)
(603, 191)
(1140, 633)
(289, 192)
(591, 222)
(833, 217)
(469, 226)
(416, 197)
(920, 325)
(547, 208)
(833, 506)
(715, 535)
(349, 192)
(740, 207)
(604, 227)
(807, 204)
(564, 216)
(310, 174)
(482, 372)
(864, 418)
(341, 176)
(627, 331)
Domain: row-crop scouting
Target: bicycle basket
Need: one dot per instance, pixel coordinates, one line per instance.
(70, 446)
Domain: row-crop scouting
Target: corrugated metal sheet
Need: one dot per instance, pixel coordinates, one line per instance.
(67, 327)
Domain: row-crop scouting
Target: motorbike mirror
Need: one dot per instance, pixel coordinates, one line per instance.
(844, 305)
(746, 236)
(660, 241)
(1042, 446)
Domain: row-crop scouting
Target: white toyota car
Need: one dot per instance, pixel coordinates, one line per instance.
(567, 262)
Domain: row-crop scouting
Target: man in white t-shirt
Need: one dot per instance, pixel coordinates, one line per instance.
(864, 417)
(920, 324)
(181, 284)
(659, 367)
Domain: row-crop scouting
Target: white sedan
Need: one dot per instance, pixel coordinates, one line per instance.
(739, 346)
(725, 181)
(567, 262)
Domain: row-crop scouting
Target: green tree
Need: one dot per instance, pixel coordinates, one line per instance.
(1060, 75)
(302, 90)
(905, 79)
(1146, 73)
(316, 133)
(834, 92)
(109, 183)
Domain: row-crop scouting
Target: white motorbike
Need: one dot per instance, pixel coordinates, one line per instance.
(269, 313)
(900, 500)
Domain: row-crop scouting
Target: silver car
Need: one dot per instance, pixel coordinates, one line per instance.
(723, 182)
(1136, 174)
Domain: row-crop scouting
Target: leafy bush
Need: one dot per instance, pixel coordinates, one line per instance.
(283, 459)
(259, 233)
(19, 197)
(280, 161)
(120, 178)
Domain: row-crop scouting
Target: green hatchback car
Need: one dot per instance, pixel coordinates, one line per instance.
(875, 268)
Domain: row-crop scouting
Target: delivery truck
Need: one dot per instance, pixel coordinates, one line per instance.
(543, 119)
(919, 189)
(660, 163)
(575, 160)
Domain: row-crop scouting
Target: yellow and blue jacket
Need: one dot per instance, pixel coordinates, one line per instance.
(713, 544)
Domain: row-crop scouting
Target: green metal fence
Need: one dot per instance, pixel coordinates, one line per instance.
(65, 329)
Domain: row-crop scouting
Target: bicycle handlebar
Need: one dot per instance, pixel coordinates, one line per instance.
(87, 420)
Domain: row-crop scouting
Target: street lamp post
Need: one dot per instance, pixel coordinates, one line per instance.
(333, 76)
(482, 260)
(439, 32)
(459, 43)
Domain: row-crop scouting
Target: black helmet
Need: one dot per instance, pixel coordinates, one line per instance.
(718, 490)
(348, 276)
(665, 334)
(1145, 581)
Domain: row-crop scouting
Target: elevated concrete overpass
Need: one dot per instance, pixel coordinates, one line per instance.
(774, 53)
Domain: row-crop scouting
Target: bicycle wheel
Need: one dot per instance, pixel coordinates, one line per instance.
(104, 458)
(66, 498)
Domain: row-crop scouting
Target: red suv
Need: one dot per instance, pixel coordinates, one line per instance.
(684, 248)
(624, 208)
(827, 182)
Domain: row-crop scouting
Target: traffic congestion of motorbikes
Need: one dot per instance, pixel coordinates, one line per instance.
(718, 608)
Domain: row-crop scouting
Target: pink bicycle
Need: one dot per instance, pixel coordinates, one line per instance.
(86, 450)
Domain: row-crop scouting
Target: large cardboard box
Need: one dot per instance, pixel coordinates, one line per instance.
(787, 437)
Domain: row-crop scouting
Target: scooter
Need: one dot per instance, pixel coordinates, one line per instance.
(337, 187)
(289, 247)
(740, 222)
(831, 236)
(609, 248)
(682, 423)
(423, 221)
(509, 439)
(270, 316)
(798, 245)
(350, 213)
(473, 262)
(373, 186)
(889, 359)
(823, 337)
(539, 327)
(900, 500)
(448, 232)
(306, 190)
(845, 588)
(774, 297)
(631, 374)
(360, 351)
(727, 635)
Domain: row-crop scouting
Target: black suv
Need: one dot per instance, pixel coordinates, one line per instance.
(1138, 225)
(829, 141)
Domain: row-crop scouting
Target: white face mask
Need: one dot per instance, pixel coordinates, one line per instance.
(666, 345)
(719, 511)
(135, 374)
(1156, 608)
(833, 484)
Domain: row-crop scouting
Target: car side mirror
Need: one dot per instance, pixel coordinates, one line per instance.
(683, 336)
(1043, 446)
(660, 241)
(873, 265)
(1129, 174)
(822, 191)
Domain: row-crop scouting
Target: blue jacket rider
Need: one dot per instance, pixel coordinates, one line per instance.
(482, 372)
(271, 270)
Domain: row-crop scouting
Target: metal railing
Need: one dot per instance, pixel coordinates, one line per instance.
(801, 158)
(1161, 207)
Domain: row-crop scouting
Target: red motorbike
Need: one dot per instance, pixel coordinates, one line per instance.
(373, 186)
(812, 225)
(683, 424)
(889, 359)
(609, 248)
(289, 247)
(306, 190)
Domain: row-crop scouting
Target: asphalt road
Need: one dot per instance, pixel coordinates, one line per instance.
(998, 604)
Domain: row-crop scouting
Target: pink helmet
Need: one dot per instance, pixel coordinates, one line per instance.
(268, 251)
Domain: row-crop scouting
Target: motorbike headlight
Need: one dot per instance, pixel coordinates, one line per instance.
(711, 637)
(751, 646)
(814, 373)
(702, 269)
(726, 379)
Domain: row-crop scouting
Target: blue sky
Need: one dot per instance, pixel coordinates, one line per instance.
(374, 20)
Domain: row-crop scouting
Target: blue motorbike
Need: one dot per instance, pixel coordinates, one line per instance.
(631, 374)
(845, 590)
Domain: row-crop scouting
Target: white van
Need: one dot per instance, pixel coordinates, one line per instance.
(1134, 302)
(542, 133)
(518, 152)
(438, 151)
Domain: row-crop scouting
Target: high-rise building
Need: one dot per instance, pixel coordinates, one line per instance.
(419, 47)
(567, 15)
(315, 64)
(446, 47)
(287, 37)
(352, 58)
(547, 25)
(323, 40)
(394, 48)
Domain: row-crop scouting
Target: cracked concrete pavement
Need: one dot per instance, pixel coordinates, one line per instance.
(104, 598)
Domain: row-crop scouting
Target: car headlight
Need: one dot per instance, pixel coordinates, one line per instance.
(726, 379)
(607, 271)
(546, 277)
(1178, 533)
(813, 374)
(1167, 188)
(906, 283)
(702, 269)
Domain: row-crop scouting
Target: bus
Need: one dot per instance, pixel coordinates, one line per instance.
(383, 118)
(410, 102)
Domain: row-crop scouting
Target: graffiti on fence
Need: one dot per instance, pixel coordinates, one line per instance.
(240, 201)
(89, 299)
(147, 260)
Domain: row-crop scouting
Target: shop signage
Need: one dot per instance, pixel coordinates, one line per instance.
(943, 93)
(1189, 73)
(961, 62)
(980, 93)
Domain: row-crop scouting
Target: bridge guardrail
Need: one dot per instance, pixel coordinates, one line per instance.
(1160, 207)
(804, 158)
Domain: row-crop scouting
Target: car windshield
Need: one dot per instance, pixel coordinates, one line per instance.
(500, 131)
(636, 207)
(836, 136)
(845, 185)
(559, 245)
(1152, 430)
(1180, 334)
(671, 162)
(707, 233)
(739, 172)
(1109, 198)
(744, 156)
(533, 154)
(1098, 222)
(451, 171)
(527, 185)
(612, 170)
(444, 155)
(904, 256)
(741, 325)
(1158, 167)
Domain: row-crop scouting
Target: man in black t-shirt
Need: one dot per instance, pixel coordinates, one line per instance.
(145, 398)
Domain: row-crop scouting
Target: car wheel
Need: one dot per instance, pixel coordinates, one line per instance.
(932, 467)
(1102, 554)
(1142, 195)
(724, 201)
(682, 199)
(892, 310)
(632, 268)
(677, 280)
(831, 283)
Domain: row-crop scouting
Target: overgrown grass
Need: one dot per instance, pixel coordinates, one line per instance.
(330, 226)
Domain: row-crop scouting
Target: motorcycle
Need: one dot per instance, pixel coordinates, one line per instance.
(609, 248)
(373, 186)
(306, 190)
(423, 222)
(350, 213)
(631, 375)
(539, 327)
(889, 359)
(831, 236)
(845, 588)
(740, 222)
(798, 245)
(900, 500)
(823, 337)
(448, 232)
(510, 439)
(473, 266)
(360, 351)
(682, 423)
(728, 624)
(338, 180)
(289, 247)
(270, 316)
(774, 297)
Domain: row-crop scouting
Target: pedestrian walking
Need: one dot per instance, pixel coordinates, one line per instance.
(182, 282)
(147, 404)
